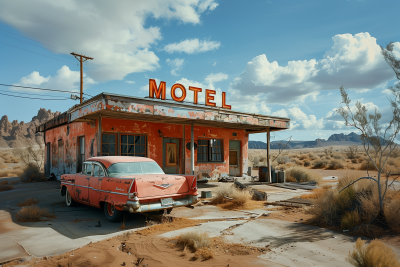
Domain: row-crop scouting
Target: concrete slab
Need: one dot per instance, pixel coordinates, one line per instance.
(213, 229)
(294, 244)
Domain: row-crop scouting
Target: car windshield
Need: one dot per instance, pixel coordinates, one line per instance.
(131, 168)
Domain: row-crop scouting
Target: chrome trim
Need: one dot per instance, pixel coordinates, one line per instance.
(163, 186)
(135, 206)
(112, 192)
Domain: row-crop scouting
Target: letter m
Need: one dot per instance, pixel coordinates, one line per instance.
(159, 92)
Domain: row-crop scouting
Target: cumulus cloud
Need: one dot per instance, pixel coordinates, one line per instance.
(114, 34)
(217, 77)
(192, 46)
(65, 79)
(354, 61)
(130, 82)
(176, 65)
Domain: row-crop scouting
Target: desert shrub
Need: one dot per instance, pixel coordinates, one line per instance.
(354, 161)
(3, 166)
(369, 205)
(307, 163)
(392, 215)
(33, 214)
(4, 187)
(351, 152)
(283, 159)
(373, 255)
(195, 240)
(28, 202)
(297, 162)
(10, 173)
(3, 182)
(335, 164)
(303, 175)
(350, 220)
(239, 197)
(367, 165)
(312, 156)
(360, 160)
(320, 163)
(31, 173)
(338, 156)
(303, 157)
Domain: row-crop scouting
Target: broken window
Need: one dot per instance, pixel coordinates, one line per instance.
(133, 145)
(209, 150)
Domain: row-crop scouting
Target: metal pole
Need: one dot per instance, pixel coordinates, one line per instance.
(192, 148)
(183, 150)
(81, 80)
(268, 155)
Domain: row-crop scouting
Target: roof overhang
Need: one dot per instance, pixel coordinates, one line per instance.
(165, 111)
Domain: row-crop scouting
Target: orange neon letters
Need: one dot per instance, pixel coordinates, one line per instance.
(174, 97)
(196, 94)
(160, 92)
(209, 97)
(224, 105)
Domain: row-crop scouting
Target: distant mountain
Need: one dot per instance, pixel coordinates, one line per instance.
(333, 140)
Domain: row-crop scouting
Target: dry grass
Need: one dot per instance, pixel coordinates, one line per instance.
(316, 193)
(335, 164)
(3, 182)
(33, 214)
(174, 224)
(28, 202)
(10, 173)
(350, 219)
(392, 215)
(319, 164)
(303, 175)
(376, 254)
(195, 240)
(4, 187)
(3, 166)
(228, 197)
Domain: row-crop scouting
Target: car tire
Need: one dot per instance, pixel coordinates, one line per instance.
(112, 214)
(68, 199)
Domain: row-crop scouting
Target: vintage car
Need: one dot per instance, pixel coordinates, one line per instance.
(123, 183)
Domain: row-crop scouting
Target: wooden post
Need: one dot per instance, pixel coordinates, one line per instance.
(81, 59)
(183, 150)
(268, 155)
(192, 148)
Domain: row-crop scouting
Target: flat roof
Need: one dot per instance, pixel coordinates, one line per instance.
(165, 111)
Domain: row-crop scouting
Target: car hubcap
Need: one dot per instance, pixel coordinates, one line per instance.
(110, 209)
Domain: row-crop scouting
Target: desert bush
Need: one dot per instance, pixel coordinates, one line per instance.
(303, 175)
(392, 214)
(28, 202)
(195, 240)
(32, 155)
(283, 159)
(3, 166)
(31, 173)
(369, 203)
(335, 164)
(350, 220)
(320, 163)
(328, 151)
(33, 214)
(10, 173)
(3, 182)
(351, 152)
(303, 157)
(355, 161)
(338, 156)
(8, 157)
(239, 197)
(360, 159)
(4, 187)
(373, 255)
(297, 162)
(307, 163)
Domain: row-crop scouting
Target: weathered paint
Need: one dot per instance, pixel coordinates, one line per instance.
(87, 109)
(68, 155)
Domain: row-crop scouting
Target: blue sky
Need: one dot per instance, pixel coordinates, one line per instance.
(282, 58)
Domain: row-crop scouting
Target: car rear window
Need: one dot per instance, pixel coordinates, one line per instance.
(131, 168)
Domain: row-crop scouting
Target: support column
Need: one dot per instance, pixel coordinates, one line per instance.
(268, 155)
(192, 148)
(99, 127)
(183, 150)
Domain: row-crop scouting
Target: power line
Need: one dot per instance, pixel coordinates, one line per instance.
(34, 97)
(34, 94)
(36, 88)
(37, 53)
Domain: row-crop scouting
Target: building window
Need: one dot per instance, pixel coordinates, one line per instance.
(133, 145)
(209, 150)
(108, 146)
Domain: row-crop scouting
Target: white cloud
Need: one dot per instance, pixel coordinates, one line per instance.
(387, 92)
(215, 63)
(216, 77)
(176, 65)
(192, 46)
(353, 61)
(130, 82)
(65, 79)
(114, 34)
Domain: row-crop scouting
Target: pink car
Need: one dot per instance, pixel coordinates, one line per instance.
(121, 183)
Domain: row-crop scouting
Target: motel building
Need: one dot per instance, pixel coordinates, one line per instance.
(183, 138)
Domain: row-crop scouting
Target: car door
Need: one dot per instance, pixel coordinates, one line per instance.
(82, 183)
(95, 184)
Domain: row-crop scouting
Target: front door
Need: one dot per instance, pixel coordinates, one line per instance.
(171, 155)
(60, 157)
(234, 158)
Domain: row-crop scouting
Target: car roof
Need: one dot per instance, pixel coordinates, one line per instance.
(107, 161)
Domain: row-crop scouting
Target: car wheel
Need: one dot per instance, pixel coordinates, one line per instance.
(68, 199)
(112, 214)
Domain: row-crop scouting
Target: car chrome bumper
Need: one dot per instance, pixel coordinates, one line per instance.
(137, 207)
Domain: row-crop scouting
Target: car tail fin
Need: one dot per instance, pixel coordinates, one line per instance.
(194, 184)
(133, 191)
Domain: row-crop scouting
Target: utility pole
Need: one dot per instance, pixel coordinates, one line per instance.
(81, 59)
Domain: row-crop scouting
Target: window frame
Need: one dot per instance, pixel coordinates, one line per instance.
(209, 150)
(127, 143)
(116, 144)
